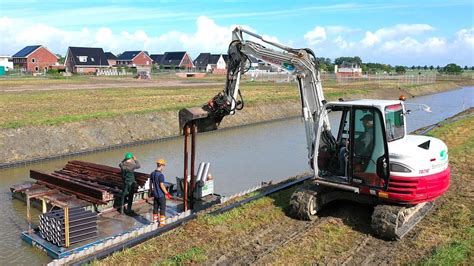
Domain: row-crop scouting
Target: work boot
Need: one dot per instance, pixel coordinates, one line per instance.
(155, 218)
(162, 220)
(131, 213)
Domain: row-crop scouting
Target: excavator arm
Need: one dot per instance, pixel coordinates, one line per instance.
(299, 62)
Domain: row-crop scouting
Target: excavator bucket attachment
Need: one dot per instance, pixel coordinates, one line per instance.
(203, 119)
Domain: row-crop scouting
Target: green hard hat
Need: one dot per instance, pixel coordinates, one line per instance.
(128, 155)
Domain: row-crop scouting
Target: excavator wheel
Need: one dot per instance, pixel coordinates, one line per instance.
(392, 222)
(305, 203)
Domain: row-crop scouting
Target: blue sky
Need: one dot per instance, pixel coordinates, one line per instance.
(397, 32)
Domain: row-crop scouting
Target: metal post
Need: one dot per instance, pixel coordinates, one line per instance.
(66, 225)
(193, 162)
(28, 214)
(185, 177)
(44, 209)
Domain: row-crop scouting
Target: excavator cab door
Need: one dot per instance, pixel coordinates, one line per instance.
(369, 163)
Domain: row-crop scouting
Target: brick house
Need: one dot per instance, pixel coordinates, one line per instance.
(176, 60)
(85, 60)
(111, 58)
(348, 70)
(134, 59)
(34, 58)
(215, 63)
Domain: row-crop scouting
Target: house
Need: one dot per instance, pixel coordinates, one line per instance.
(156, 58)
(134, 59)
(34, 58)
(348, 70)
(176, 60)
(85, 60)
(211, 63)
(6, 62)
(111, 58)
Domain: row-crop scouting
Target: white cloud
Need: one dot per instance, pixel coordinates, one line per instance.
(208, 37)
(398, 30)
(404, 44)
(317, 35)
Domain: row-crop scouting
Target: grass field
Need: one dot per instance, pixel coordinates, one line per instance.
(56, 106)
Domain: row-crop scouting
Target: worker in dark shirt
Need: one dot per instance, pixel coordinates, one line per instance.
(160, 193)
(128, 167)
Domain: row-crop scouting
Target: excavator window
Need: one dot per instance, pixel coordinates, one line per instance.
(368, 146)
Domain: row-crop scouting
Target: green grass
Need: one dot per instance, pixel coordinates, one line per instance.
(192, 255)
(63, 106)
(458, 252)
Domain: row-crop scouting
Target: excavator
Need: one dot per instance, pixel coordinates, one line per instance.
(358, 150)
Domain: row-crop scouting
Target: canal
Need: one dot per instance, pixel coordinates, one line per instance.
(240, 158)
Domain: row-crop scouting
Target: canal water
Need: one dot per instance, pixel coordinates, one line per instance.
(240, 158)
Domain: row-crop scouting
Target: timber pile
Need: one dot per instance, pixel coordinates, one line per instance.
(92, 182)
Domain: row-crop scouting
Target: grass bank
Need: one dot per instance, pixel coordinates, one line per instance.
(263, 230)
(54, 107)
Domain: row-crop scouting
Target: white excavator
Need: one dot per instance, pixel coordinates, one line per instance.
(366, 155)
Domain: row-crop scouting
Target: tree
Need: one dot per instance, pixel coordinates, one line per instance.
(413, 67)
(466, 68)
(400, 70)
(437, 68)
(451, 69)
(431, 67)
(351, 60)
(61, 59)
(425, 67)
(418, 67)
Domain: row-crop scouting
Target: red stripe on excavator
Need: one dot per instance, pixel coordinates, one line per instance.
(413, 190)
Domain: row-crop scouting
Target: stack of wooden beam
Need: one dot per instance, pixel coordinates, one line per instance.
(92, 182)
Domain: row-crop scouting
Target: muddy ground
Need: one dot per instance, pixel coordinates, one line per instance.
(262, 232)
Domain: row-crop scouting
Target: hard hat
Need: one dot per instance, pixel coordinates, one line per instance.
(128, 156)
(161, 161)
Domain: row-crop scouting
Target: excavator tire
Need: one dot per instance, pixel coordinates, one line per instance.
(393, 222)
(304, 203)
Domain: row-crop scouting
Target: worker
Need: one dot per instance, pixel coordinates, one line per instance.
(364, 143)
(128, 166)
(160, 193)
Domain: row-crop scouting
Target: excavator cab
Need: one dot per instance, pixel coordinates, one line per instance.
(360, 153)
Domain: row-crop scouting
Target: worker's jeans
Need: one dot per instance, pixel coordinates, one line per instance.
(159, 203)
(128, 191)
(342, 161)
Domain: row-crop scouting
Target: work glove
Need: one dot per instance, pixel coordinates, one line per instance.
(168, 196)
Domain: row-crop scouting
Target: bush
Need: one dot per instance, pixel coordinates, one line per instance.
(52, 72)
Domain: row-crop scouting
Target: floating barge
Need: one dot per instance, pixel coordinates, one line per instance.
(97, 188)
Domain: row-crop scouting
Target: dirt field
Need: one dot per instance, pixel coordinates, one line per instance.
(261, 232)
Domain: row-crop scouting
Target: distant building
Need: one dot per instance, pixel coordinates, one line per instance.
(156, 59)
(85, 60)
(34, 58)
(348, 70)
(176, 60)
(111, 58)
(6, 61)
(134, 59)
(215, 63)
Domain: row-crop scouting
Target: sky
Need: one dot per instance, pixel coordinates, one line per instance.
(391, 32)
